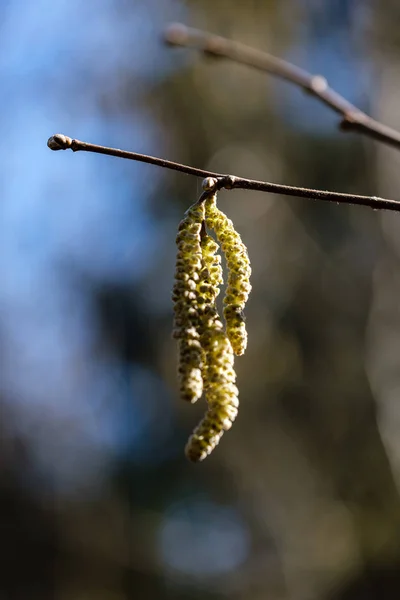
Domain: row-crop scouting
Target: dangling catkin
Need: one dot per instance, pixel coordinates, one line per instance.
(239, 269)
(218, 373)
(220, 389)
(186, 308)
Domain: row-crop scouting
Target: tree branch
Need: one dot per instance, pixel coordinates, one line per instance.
(63, 142)
(316, 85)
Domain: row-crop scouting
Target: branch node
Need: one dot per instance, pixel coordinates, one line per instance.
(176, 34)
(318, 84)
(59, 142)
(209, 184)
(229, 182)
(352, 120)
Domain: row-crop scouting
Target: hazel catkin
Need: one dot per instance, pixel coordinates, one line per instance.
(218, 372)
(239, 272)
(186, 308)
(221, 391)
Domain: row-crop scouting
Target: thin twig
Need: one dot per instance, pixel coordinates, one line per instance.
(353, 118)
(63, 142)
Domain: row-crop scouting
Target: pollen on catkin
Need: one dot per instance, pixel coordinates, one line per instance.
(239, 271)
(217, 371)
(210, 276)
(187, 310)
(219, 386)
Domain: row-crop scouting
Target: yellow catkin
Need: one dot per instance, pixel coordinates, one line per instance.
(239, 271)
(187, 310)
(220, 388)
(218, 373)
(210, 277)
(208, 289)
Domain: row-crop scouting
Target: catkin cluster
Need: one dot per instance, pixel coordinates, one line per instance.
(206, 350)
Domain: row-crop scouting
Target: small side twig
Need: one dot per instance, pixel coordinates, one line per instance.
(353, 118)
(63, 142)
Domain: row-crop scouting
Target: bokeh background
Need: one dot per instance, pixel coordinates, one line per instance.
(300, 501)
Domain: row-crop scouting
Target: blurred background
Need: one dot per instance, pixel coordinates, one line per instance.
(301, 500)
